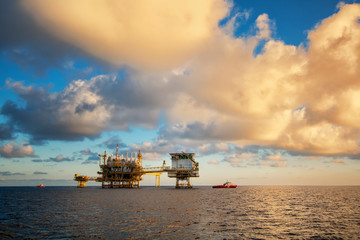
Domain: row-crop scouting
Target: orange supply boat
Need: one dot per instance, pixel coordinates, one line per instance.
(41, 185)
(226, 185)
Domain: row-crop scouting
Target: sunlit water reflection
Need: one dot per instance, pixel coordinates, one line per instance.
(282, 212)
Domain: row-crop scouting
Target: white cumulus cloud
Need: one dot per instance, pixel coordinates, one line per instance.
(15, 150)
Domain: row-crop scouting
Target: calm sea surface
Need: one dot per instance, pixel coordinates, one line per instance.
(279, 212)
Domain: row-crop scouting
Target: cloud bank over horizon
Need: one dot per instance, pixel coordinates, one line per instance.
(214, 89)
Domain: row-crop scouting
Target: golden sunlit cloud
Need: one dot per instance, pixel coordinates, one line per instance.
(213, 162)
(286, 96)
(337, 161)
(154, 34)
(291, 97)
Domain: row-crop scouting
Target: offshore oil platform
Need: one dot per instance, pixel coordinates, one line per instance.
(119, 171)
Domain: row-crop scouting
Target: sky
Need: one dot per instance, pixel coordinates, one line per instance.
(264, 92)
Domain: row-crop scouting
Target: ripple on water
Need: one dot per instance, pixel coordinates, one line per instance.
(200, 213)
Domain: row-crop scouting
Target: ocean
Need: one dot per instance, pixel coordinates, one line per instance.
(247, 212)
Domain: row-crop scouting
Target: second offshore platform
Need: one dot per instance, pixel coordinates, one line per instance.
(119, 171)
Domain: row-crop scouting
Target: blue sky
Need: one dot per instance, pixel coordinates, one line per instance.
(264, 92)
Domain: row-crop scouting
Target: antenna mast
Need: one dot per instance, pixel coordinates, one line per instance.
(117, 151)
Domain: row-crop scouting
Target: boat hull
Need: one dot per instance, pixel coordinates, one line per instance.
(222, 186)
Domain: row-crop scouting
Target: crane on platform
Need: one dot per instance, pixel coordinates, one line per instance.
(103, 156)
(190, 156)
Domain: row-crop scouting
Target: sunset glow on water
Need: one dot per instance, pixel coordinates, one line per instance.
(281, 212)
